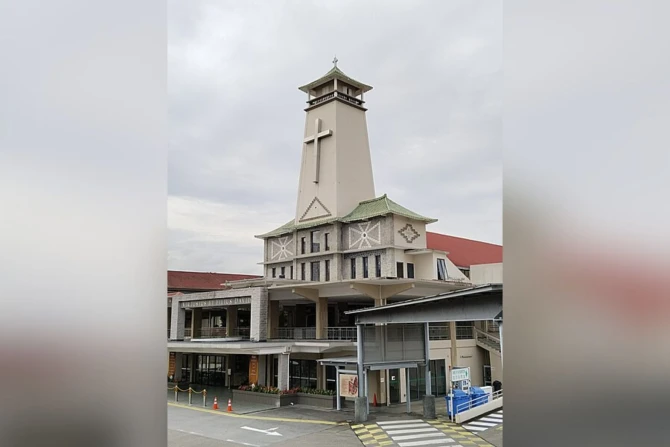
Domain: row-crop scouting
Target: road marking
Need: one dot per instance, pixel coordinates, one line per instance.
(269, 431)
(482, 424)
(242, 443)
(259, 418)
(398, 426)
(491, 419)
(411, 430)
(407, 421)
(427, 442)
(418, 436)
(474, 428)
(189, 432)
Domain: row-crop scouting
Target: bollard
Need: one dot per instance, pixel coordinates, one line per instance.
(190, 397)
(176, 395)
(204, 398)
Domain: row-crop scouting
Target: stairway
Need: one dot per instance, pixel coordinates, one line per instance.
(487, 341)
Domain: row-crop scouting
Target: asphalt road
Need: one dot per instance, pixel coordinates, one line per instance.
(189, 428)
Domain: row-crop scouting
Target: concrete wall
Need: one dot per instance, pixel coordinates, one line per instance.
(399, 223)
(486, 273)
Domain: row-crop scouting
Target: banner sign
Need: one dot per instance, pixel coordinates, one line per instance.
(253, 369)
(348, 385)
(216, 303)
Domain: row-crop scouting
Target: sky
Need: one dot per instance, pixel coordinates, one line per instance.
(237, 117)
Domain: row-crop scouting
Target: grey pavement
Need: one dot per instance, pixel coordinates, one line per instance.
(189, 427)
(494, 436)
(222, 395)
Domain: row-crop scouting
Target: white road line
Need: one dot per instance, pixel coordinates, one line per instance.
(417, 425)
(411, 430)
(242, 443)
(474, 428)
(406, 421)
(417, 436)
(427, 442)
(491, 419)
(189, 432)
(483, 424)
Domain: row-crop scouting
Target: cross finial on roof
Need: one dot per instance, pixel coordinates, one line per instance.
(335, 61)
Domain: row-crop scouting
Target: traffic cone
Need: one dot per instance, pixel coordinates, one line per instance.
(216, 404)
(230, 406)
(374, 400)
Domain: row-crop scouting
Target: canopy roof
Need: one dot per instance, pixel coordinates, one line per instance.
(332, 74)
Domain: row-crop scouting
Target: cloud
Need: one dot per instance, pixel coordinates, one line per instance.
(237, 119)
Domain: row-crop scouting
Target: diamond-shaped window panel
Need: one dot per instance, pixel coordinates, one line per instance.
(409, 233)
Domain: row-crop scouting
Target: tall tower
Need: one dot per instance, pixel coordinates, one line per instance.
(336, 170)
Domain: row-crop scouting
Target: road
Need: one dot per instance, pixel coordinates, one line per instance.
(190, 427)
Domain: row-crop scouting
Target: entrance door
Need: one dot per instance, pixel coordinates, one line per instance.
(394, 386)
(487, 375)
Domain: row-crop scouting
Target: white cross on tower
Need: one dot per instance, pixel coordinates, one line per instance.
(318, 134)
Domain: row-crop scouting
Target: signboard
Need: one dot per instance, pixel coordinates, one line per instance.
(460, 374)
(216, 303)
(348, 385)
(253, 369)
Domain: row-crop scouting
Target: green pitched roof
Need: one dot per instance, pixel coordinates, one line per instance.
(365, 210)
(332, 74)
(380, 207)
(290, 226)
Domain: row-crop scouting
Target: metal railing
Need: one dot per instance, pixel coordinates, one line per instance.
(441, 332)
(320, 99)
(309, 333)
(338, 94)
(342, 333)
(487, 338)
(218, 332)
(481, 400)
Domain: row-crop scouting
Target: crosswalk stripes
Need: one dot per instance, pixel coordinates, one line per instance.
(485, 422)
(416, 433)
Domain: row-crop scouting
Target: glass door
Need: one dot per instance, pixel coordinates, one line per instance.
(394, 386)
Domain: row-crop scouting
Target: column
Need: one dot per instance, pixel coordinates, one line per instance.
(454, 349)
(177, 321)
(177, 366)
(259, 314)
(282, 374)
(196, 323)
(320, 376)
(231, 320)
(273, 319)
(322, 318)
(262, 369)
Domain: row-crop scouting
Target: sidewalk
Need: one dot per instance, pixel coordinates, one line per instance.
(222, 395)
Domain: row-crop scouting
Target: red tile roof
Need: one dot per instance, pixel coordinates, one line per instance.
(201, 281)
(465, 252)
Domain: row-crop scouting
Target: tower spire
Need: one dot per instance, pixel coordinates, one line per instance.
(335, 61)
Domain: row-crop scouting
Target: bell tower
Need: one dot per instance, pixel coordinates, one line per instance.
(336, 169)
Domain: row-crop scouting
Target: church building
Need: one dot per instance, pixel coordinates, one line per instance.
(346, 248)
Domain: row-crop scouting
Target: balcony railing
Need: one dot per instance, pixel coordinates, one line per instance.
(309, 333)
(331, 95)
(441, 332)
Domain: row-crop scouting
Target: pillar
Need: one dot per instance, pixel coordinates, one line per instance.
(196, 322)
(273, 319)
(454, 349)
(259, 315)
(262, 369)
(178, 320)
(231, 320)
(320, 376)
(177, 366)
(322, 318)
(283, 373)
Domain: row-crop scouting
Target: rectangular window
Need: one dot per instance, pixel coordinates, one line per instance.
(410, 270)
(442, 270)
(353, 268)
(302, 245)
(274, 272)
(283, 272)
(400, 270)
(365, 266)
(378, 266)
(326, 245)
(314, 241)
(316, 274)
(291, 270)
(302, 271)
(326, 265)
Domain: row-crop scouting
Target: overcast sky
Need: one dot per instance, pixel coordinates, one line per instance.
(237, 119)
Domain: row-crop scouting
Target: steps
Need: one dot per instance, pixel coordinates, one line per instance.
(487, 341)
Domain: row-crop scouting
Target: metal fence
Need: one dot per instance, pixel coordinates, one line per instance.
(441, 332)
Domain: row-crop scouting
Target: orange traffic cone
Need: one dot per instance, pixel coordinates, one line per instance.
(230, 406)
(216, 404)
(374, 400)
